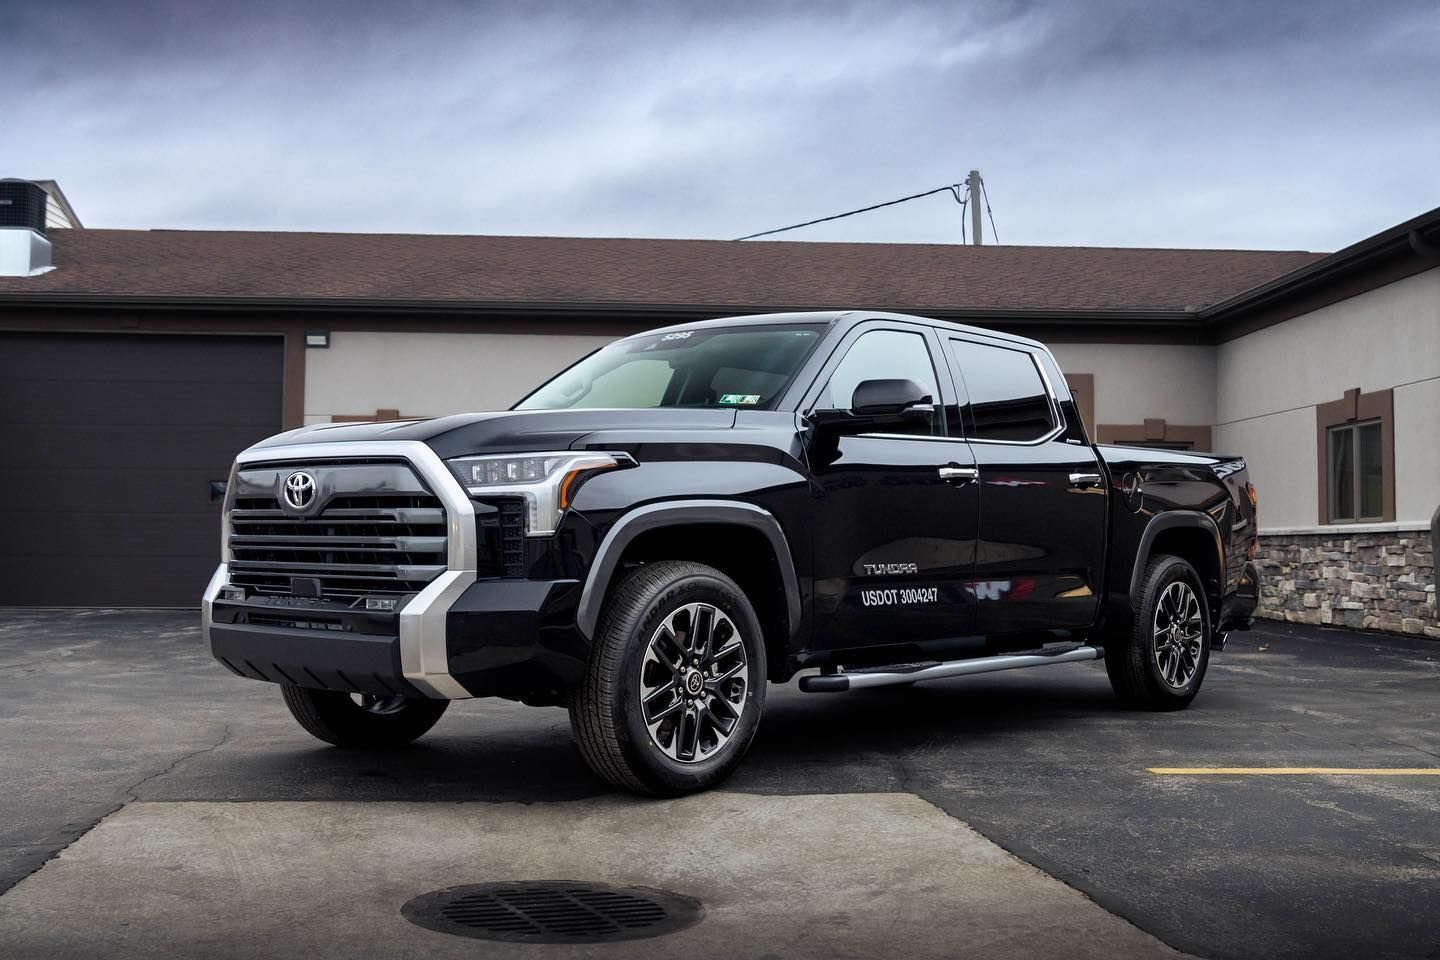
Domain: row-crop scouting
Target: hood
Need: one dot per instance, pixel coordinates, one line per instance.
(513, 430)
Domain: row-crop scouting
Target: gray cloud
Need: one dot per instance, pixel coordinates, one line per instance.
(1289, 124)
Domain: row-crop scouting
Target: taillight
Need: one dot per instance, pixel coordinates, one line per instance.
(1250, 492)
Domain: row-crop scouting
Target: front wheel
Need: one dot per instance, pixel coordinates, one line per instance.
(675, 683)
(1159, 660)
(362, 720)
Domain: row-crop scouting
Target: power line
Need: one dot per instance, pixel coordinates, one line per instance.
(953, 188)
(985, 193)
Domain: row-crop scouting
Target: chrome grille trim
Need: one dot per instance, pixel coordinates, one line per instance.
(423, 654)
(373, 528)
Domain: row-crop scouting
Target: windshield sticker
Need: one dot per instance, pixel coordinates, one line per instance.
(740, 399)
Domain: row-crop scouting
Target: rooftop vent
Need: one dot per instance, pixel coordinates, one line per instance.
(24, 250)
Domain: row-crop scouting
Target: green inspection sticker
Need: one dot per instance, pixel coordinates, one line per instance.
(745, 399)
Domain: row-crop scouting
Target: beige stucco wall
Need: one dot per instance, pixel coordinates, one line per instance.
(431, 374)
(1134, 381)
(1270, 381)
(1379, 339)
(1417, 449)
(1280, 450)
(1258, 391)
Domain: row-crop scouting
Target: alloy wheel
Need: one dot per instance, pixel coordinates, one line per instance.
(1179, 634)
(693, 683)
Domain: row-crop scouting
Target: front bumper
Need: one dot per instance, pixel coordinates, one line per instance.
(506, 638)
(458, 637)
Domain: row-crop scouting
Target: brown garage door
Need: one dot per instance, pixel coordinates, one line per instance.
(107, 445)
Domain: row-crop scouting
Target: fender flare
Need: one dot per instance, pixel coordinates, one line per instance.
(673, 513)
(1171, 520)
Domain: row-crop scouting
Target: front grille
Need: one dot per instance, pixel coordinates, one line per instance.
(361, 542)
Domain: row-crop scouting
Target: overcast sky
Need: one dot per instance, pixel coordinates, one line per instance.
(1294, 125)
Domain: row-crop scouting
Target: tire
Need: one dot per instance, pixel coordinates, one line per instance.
(377, 723)
(646, 626)
(1162, 672)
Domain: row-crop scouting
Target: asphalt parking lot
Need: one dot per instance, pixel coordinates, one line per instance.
(148, 793)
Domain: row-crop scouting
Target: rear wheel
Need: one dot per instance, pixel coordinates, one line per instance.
(675, 684)
(362, 720)
(1158, 662)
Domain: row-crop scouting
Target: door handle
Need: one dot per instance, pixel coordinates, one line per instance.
(1085, 479)
(956, 474)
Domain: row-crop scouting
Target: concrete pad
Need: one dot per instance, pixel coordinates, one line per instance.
(849, 875)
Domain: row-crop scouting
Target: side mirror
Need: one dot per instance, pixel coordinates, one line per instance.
(878, 403)
(888, 398)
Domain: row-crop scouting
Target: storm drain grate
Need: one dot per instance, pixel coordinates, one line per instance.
(552, 911)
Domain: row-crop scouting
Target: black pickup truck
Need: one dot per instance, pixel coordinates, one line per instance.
(690, 514)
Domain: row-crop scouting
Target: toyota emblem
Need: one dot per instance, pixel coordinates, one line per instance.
(299, 490)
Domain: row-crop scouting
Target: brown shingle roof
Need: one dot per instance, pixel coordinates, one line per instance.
(172, 264)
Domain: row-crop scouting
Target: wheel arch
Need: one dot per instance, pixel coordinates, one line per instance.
(724, 534)
(1195, 538)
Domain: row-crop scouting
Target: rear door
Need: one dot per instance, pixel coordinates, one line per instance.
(1043, 494)
(894, 512)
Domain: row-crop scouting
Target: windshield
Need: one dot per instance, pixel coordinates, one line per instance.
(747, 366)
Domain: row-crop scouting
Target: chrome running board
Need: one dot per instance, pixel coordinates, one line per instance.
(890, 676)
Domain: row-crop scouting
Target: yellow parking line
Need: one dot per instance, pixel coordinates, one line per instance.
(1296, 771)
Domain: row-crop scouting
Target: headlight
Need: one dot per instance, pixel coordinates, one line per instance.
(547, 481)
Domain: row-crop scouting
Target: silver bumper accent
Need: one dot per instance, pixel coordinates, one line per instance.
(423, 655)
(218, 579)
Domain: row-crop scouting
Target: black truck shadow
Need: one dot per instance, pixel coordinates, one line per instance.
(808, 743)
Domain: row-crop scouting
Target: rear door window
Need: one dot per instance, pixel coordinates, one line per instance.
(1008, 399)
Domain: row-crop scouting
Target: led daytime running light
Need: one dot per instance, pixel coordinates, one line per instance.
(546, 481)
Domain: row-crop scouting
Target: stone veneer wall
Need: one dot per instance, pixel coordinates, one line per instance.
(1375, 581)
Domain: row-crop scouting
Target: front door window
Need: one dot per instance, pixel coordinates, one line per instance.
(884, 355)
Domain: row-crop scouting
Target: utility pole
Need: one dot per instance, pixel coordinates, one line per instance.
(974, 185)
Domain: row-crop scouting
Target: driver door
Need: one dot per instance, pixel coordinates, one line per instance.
(895, 510)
